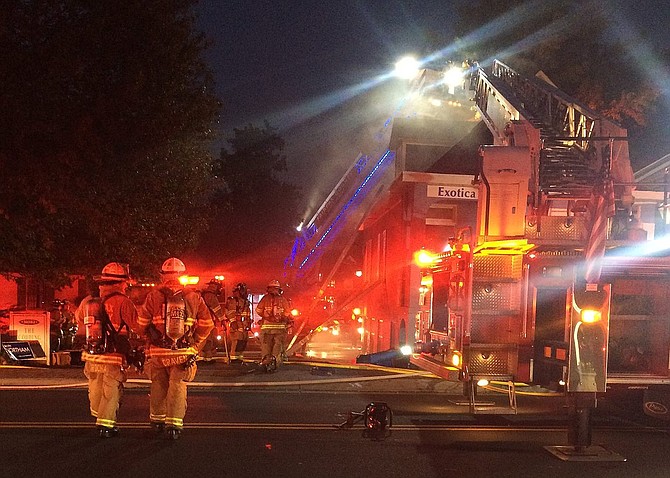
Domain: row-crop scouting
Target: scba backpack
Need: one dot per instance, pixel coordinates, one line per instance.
(101, 336)
(177, 333)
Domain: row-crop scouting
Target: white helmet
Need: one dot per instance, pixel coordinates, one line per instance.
(114, 272)
(173, 266)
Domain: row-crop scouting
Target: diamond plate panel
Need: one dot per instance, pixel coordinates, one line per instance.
(496, 296)
(501, 266)
(494, 361)
(557, 228)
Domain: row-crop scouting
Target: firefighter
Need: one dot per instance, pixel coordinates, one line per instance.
(176, 322)
(210, 295)
(274, 311)
(238, 313)
(108, 317)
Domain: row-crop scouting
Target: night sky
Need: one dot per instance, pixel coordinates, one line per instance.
(293, 63)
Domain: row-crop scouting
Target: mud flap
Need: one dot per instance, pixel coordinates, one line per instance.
(656, 402)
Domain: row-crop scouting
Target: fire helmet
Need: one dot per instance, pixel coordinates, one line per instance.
(173, 266)
(114, 272)
(241, 287)
(274, 283)
(215, 284)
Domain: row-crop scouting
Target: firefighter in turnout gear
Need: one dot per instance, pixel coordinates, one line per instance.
(238, 313)
(211, 297)
(274, 311)
(176, 322)
(111, 323)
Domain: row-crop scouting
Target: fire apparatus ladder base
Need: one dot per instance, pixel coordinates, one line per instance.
(584, 453)
(485, 409)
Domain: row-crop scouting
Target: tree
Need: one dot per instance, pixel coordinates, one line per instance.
(572, 42)
(106, 110)
(258, 209)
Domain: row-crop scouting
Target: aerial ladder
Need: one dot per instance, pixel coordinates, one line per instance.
(560, 156)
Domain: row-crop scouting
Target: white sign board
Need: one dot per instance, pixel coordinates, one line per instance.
(468, 193)
(32, 325)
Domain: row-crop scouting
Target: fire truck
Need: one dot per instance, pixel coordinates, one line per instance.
(532, 266)
(552, 282)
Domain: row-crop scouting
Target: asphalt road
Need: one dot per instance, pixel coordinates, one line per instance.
(266, 431)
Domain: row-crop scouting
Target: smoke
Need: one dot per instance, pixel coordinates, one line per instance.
(320, 150)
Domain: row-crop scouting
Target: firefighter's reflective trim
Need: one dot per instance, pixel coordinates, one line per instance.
(105, 423)
(174, 422)
(94, 413)
(154, 418)
(106, 359)
(170, 357)
(206, 324)
(143, 322)
(272, 325)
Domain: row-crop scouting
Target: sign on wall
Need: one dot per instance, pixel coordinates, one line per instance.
(468, 193)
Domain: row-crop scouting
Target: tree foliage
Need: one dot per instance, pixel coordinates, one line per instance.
(577, 44)
(106, 107)
(259, 206)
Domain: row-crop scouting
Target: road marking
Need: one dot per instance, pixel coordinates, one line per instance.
(146, 382)
(321, 426)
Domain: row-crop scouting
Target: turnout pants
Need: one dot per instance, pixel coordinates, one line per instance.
(238, 343)
(209, 348)
(167, 403)
(105, 389)
(273, 342)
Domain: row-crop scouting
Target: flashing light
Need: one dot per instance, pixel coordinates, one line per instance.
(435, 102)
(324, 355)
(406, 350)
(219, 277)
(189, 280)
(359, 273)
(406, 68)
(294, 312)
(360, 320)
(357, 311)
(219, 337)
(256, 334)
(423, 258)
(456, 359)
(427, 281)
(453, 77)
(311, 353)
(360, 330)
(590, 316)
(482, 382)
(335, 331)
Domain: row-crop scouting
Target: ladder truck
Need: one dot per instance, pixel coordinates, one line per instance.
(549, 284)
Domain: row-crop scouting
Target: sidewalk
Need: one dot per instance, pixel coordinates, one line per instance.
(293, 375)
